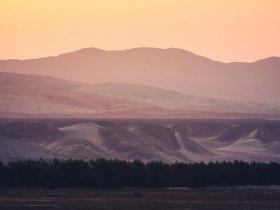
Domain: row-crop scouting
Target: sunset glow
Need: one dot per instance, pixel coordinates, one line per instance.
(240, 30)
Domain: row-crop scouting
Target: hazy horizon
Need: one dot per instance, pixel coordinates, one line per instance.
(139, 47)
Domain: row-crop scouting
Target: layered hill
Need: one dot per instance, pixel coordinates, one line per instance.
(24, 95)
(172, 69)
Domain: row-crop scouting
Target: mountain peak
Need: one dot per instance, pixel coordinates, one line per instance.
(271, 59)
(84, 52)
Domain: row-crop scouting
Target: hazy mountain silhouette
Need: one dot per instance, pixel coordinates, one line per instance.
(172, 69)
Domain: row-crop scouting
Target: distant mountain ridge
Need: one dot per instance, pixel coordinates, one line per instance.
(173, 69)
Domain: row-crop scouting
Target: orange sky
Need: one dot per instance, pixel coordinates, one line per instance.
(226, 30)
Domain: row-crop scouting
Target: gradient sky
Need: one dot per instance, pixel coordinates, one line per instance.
(225, 30)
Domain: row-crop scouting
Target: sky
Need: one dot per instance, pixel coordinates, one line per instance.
(224, 30)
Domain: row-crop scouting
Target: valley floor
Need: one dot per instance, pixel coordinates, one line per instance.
(230, 198)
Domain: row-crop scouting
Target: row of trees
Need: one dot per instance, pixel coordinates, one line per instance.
(103, 173)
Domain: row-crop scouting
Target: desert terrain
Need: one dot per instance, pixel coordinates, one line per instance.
(167, 140)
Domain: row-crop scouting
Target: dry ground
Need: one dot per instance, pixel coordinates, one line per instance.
(192, 199)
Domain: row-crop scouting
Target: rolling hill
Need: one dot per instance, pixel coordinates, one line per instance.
(24, 95)
(148, 140)
(171, 69)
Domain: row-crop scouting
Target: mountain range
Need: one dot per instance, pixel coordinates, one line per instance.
(138, 103)
(172, 69)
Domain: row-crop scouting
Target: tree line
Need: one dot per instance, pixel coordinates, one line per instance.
(101, 173)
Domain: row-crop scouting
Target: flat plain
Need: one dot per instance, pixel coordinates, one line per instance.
(229, 198)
